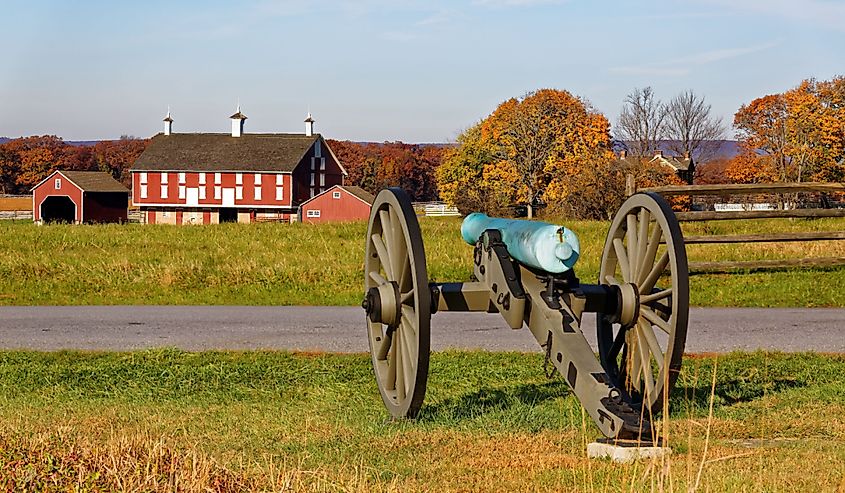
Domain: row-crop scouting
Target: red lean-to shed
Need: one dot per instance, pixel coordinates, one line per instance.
(79, 197)
(338, 203)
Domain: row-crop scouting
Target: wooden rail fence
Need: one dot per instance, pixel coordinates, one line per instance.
(728, 190)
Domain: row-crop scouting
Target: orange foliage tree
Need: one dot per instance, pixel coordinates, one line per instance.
(531, 149)
(374, 166)
(801, 132)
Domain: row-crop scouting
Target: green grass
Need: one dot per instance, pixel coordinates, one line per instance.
(301, 264)
(270, 420)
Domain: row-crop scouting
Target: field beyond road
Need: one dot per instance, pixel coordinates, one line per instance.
(302, 264)
(276, 421)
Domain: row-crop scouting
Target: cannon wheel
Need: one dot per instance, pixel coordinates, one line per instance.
(645, 247)
(395, 254)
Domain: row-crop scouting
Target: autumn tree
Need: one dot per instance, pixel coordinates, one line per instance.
(374, 166)
(641, 124)
(528, 149)
(748, 167)
(801, 132)
(117, 156)
(690, 127)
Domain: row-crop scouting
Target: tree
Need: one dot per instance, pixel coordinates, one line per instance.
(526, 151)
(117, 156)
(690, 128)
(642, 121)
(801, 132)
(748, 167)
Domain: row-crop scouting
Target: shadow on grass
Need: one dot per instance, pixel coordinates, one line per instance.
(489, 399)
(729, 392)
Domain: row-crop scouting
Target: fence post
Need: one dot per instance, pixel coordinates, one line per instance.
(630, 185)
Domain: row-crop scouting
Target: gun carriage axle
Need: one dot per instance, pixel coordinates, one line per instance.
(641, 302)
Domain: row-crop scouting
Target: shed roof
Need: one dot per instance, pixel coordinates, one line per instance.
(360, 193)
(94, 181)
(222, 152)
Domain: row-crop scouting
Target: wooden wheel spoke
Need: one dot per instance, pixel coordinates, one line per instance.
(623, 259)
(407, 298)
(634, 360)
(383, 256)
(655, 272)
(611, 280)
(409, 316)
(651, 251)
(651, 340)
(659, 295)
(642, 243)
(408, 359)
(631, 219)
(384, 347)
(390, 384)
(655, 319)
(377, 278)
(398, 248)
(645, 363)
(399, 374)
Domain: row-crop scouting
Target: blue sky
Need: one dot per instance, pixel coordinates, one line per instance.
(417, 71)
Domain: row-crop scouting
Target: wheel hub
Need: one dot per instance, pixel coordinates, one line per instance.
(629, 306)
(381, 304)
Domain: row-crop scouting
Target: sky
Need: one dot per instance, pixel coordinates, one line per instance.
(385, 70)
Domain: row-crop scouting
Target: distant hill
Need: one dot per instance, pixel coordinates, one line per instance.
(3, 140)
(721, 149)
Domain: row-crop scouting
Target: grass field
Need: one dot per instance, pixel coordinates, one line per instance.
(303, 264)
(274, 421)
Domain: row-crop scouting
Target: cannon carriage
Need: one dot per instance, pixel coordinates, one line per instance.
(524, 271)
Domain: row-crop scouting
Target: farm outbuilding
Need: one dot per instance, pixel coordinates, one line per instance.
(79, 197)
(338, 203)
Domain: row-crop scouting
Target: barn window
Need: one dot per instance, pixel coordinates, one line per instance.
(143, 177)
(258, 178)
(313, 213)
(216, 178)
(181, 191)
(322, 163)
(164, 178)
(202, 178)
(239, 193)
(217, 193)
(318, 150)
(280, 193)
(164, 191)
(181, 177)
(143, 191)
(280, 180)
(335, 195)
(312, 179)
(58, 183)
(258, 193)
(239, 178)
(322, 179)
(313, 164)
(202, 193)
(312, 191)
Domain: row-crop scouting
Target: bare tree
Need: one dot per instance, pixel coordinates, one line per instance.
(641, 124)
(690, 128)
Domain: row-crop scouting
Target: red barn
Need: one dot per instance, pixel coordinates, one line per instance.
(79, 197)
(339, 203)
(209, 178)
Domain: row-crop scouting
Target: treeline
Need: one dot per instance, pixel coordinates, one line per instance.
(374, 166)
(26, 161)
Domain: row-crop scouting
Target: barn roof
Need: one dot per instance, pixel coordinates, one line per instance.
(94, 181)
(360, 193)
(222, 152)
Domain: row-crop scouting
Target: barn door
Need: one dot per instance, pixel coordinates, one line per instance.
(228, 197)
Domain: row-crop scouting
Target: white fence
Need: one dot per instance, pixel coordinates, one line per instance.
(435, 209)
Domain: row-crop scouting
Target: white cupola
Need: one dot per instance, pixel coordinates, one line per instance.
(168, 123)
(309, 125)
(238, 122)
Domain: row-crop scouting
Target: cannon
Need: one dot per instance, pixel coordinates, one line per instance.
(524, 271)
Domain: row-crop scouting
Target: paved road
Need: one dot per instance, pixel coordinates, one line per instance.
(340, 329)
